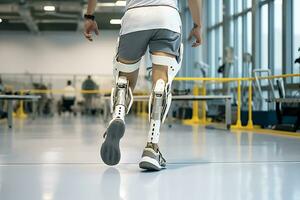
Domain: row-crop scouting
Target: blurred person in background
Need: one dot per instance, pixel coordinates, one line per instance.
(69, 91)
(2, 113)
(68, 99)
(88, 85)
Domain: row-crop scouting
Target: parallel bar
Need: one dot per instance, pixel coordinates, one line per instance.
(19, 97)
(182, 98)
(10, 99)
(286, 100)
(233, 79)
(227, 99)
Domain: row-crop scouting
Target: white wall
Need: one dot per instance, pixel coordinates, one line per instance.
(54, 53)
(57, 53)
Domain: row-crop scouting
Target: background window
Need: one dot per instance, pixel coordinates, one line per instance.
(238, 48)
(212, 53)
(264, 37)
(296, 41)
(249, 32)
(213, 10)
(249, 3)
(219, 11)
(278, 37)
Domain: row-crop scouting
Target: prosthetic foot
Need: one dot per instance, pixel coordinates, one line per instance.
(121, 101)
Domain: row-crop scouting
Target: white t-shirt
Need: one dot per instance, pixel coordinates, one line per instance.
(139, 3)
(151, 14)
(69, 92)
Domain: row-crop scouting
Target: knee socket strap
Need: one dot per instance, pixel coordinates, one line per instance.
(172, 64)
(126, 68)
(122, 67)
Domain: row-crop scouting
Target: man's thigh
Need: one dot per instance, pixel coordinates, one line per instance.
(132, 46)
(165, 42)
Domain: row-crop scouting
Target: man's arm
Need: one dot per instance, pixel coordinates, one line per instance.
(90, 24)
(196, 11)
(91, 7)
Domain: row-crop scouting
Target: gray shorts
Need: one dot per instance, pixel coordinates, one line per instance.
(132, 46)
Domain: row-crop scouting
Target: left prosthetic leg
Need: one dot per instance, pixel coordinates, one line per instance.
(159, 105)
(121, 101)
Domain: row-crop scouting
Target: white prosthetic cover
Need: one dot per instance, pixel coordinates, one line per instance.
(121, 94)
(161, 96)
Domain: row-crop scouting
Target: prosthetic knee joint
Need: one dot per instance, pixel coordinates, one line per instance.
(121, 94)
(161, 96)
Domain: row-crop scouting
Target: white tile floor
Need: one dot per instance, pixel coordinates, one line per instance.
(58, 159)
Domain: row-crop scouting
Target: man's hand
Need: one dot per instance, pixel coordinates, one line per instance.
(196, 33)
(90, 26)
(196, 11)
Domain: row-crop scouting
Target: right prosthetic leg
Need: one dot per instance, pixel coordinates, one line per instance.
(121, 102)
(159, 105)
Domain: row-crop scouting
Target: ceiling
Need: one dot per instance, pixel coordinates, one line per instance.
(29, 15)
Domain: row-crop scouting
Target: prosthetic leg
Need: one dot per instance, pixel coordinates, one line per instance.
(159, 105)
(121, 102)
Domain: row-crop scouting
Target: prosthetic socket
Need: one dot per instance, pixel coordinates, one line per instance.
(121, 94)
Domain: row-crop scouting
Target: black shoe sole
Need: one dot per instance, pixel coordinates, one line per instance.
(110, 149)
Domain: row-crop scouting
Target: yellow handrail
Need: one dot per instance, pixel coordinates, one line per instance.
(239, 80)
(239, 105)
(233, 79)
(195, 119)
(20, 111)
(250, 121)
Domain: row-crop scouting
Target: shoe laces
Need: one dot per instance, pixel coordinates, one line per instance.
(156, 149)
(160, 155)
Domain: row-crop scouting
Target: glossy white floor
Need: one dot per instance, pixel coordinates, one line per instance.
(58, 159)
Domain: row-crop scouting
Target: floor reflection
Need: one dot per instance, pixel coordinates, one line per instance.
(111, 184)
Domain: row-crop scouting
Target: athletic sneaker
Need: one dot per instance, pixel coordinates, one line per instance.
(110, 149)
(152, 158)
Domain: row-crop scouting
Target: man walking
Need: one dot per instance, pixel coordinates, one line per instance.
(147, 23)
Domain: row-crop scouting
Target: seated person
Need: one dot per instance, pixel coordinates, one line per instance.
(69, 97)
